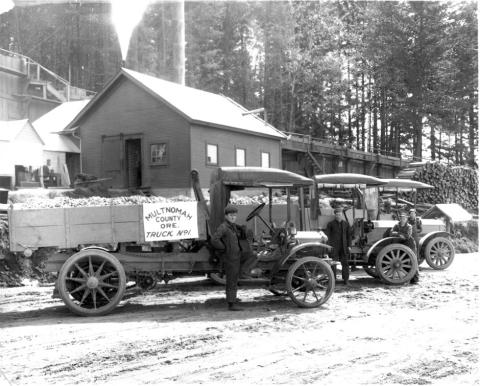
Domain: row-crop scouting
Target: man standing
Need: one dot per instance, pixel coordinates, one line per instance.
(339, 238)
(405, 231)
(227, 239)
(416, 224)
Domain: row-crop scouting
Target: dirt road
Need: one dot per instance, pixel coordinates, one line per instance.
(368, 333)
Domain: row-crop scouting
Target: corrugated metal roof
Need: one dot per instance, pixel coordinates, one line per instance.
(56, 120)
(204, 107)
(10, 129)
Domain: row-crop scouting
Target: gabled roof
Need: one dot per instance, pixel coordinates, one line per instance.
(197, 106)
(57, 120)
(9, 130)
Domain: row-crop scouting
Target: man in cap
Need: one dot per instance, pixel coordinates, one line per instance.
(227, 239)
(405, 231)
(340, 238)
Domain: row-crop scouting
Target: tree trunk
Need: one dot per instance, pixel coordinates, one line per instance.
(179, 42)
(432, 142)
(375, 122)
(471, 130)
(363, 112)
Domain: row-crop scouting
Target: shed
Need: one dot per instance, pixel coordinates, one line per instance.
(141, 131)
(451, 212)
(60, 150)
(21, 153)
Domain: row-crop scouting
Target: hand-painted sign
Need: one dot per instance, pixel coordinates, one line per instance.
(170, 221)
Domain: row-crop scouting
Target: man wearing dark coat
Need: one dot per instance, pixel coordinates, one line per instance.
(340, 238)
(236, 261)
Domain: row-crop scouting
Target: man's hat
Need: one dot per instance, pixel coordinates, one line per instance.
(402, 213)
(230, 209)
(338, 210)
(412, 210)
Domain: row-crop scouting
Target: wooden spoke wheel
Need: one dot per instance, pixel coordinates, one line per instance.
(371, 271)
(310, 282)
(439, 253)
(396, 264)
(91, 282)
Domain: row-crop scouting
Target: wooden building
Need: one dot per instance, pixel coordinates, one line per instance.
(145, 132)
(21, 154)
(29, 90)
(59, 150)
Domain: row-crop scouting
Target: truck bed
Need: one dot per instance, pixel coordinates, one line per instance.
(71, 227)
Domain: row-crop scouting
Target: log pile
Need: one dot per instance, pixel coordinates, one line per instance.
(452, 184)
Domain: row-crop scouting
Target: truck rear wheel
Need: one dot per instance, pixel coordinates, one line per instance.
(396, 264)
(310, 282)
(439, 253)
(91, 282)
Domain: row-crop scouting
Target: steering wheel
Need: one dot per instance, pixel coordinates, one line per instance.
(255, 212)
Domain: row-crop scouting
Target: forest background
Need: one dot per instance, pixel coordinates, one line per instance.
(396, 78)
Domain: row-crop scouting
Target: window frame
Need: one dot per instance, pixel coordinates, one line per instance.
(244, 156)
(262, 152)
(207, 163)
(165, 162)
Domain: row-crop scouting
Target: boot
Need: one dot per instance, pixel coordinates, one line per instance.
(415, 278)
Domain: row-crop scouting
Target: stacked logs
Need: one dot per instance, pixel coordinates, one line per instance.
(451, 184)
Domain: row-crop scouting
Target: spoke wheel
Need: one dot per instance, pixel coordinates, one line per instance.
(396, 264)
(310, 282)
(91, 282)
(218, 278)
(439, 253)
(371, 271)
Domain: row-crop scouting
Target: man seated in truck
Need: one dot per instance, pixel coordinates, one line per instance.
(404, 230)
(230, 238)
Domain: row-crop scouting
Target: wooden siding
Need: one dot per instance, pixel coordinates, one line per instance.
(10, 107)
(227, 141)
(130, 112)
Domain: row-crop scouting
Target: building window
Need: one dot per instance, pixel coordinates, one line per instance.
(212, 154)
(240, 157)
(158, 153)
(265, 160)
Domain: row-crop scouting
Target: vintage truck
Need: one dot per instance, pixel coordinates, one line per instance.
(387, 258)
(96, 250)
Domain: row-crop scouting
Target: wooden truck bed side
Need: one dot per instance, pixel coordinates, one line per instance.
(70, 227)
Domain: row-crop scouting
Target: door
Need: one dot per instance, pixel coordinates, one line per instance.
(112, 160)
(133, 158)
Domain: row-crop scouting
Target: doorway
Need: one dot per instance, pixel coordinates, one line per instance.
(133, 158)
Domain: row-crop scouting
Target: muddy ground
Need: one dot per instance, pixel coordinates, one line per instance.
(368, 333)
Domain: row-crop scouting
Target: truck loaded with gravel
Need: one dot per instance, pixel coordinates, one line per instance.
(97, 246)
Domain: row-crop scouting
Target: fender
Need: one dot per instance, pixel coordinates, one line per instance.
(426, 238)
(299, 247)
(95, 247)
(381, 243)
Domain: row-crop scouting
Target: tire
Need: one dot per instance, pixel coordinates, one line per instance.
(396, 264)
(439, 253)
(310, 282)
(91, 282)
